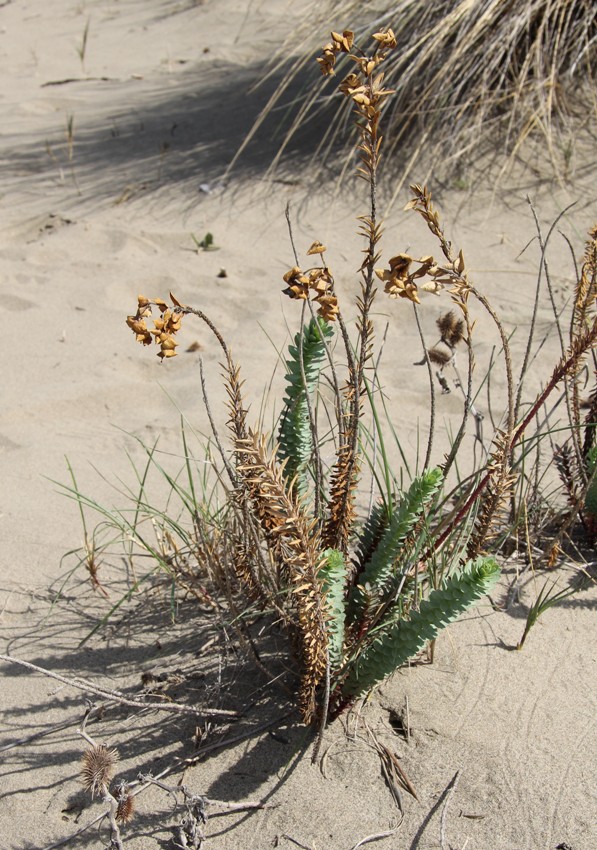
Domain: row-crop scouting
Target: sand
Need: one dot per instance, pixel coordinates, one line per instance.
(501, 745)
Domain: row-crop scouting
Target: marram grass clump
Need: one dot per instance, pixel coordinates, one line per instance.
(360, 591)
(470, 78)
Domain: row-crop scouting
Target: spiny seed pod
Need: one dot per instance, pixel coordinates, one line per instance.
(98, 767)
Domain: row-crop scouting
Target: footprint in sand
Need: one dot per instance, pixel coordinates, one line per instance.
(16, 304)
(7, 445)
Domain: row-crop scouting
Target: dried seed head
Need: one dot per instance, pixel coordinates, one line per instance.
(328, 307)
(439, 357)
(445, 323)
(386, 38)
(98, 767)
(451, 329)
(126, 806)
(164, 328)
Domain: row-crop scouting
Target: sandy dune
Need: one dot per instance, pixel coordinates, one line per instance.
(157, 109)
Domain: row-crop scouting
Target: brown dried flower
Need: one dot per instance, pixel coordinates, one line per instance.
(340, 43)
(164, 328)
(139, 328)
(298, 284)
(350, 85)
(343, 42)
(328, 307)
(143, 306)
(319, 281)
(400, 281)
(386, 39)
(368, 64)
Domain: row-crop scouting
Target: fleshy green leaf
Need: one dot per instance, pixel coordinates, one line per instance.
(392, 647)
(295, 442)
(332, 574)
(380, 567)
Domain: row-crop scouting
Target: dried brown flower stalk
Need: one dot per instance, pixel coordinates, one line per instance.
(298, 551)
(493, 499)
(365, 88)
(341, 510)
(585, 302)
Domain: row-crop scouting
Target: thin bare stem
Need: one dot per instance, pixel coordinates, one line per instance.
(84, 685)
(376, 836)
(431, 391)
(444, 817)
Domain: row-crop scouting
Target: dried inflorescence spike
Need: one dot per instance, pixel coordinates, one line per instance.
(298, 549)
(366, 91)
(401, 281)
(422, 204)
(98, 768)
(453, 271)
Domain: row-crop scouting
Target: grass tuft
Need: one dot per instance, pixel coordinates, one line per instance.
(470, 77)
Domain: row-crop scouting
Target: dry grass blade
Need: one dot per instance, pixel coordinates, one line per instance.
(393, 768)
